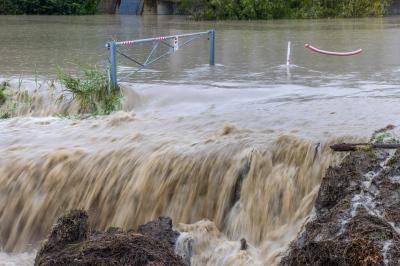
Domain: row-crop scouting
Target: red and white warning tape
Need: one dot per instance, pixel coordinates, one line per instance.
(127, 42)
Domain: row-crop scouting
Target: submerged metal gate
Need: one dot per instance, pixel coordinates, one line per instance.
(174, 43)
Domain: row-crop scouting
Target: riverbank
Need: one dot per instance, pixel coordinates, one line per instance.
(357, 218)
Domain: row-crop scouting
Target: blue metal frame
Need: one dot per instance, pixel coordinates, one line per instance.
(212, 47)
(113, 51)
(113, 63)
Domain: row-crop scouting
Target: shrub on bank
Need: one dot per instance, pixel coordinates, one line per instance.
(49, 7)
(274, 9)
(92, 90)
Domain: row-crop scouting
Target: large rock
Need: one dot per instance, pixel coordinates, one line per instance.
(357, 214)
(72, 243)
(161, 230)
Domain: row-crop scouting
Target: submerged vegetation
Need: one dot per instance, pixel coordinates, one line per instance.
(13, 102)
(87, 93)
(49, 7)
(3, 96)
(276, 9)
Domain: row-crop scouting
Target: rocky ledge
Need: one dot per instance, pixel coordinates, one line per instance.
(71, 242)
(357, 214)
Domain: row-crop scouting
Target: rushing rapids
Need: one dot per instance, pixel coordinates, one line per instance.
(226, 186)
(127, 187)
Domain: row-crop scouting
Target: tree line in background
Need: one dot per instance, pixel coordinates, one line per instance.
(217, 9)
(276, 9)
(49, 7)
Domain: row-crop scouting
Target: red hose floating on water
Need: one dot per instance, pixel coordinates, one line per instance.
(314, 49)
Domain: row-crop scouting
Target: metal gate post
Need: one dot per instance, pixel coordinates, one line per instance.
(112, 46)
(212, 47)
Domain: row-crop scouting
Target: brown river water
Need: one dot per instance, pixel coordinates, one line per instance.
(231, 151)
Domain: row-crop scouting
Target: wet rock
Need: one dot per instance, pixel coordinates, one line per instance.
(357, 215)
(161, 230)
(243, 244)
(72, 243)
(345, 179)
(243, 172)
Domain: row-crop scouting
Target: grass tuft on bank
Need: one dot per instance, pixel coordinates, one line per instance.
(92, 90)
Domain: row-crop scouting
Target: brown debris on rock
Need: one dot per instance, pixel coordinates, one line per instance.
(71, 243)
(357, 214)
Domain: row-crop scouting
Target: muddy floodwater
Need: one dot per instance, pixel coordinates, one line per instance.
(232, 151)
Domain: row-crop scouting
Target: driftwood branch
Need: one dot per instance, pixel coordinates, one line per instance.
(361, 146)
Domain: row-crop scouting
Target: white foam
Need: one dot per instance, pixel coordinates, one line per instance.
(395, 179)
(17, 259)
(385, 250)
(184, 247)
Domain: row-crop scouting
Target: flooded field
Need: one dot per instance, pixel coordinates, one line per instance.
(228, 152)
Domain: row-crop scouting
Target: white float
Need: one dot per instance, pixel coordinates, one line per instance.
(317, 50)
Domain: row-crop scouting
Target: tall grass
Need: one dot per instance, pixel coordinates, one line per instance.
(3, 87)
(14, 102)
(92, 90)
(88, 92)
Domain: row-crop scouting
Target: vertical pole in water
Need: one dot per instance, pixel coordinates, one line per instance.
(112, 46)
(212, 47)
(288, 54)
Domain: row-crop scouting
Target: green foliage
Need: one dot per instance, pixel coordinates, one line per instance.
(364, 148)
(14, 102)
(274, 9)
(49, 7)
(112, 227)
(92, 90)
(384, 137)
(4, 115)
(3, 87)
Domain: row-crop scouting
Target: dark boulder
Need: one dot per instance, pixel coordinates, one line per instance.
(72, 243)
(161, 230)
